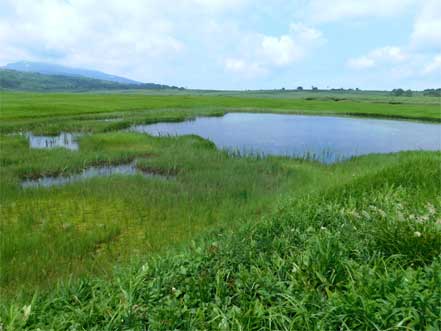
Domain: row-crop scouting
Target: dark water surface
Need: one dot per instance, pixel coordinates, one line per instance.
(325, 138)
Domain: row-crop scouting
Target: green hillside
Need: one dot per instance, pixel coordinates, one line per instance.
(29, 81)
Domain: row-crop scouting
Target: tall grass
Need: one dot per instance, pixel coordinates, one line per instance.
(361, 255)
(49, 234)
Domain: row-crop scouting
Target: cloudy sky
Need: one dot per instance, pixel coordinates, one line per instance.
(233, 44)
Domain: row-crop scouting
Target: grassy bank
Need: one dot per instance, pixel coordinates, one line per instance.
(361, 254)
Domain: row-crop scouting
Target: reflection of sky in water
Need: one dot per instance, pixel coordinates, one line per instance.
(104, 171)
(65, 140)
(329, 138)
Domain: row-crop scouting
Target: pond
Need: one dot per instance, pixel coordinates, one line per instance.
(65, 140)
(91, 172)
(325, 138)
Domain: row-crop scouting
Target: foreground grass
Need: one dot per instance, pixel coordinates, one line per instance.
(86, 227)
(52, 234)
(359, 255)
(292, 244)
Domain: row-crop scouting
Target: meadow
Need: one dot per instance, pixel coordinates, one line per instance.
(221, 241)
(55, 112)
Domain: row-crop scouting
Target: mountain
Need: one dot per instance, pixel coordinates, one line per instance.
(30, 81)
(55, 69)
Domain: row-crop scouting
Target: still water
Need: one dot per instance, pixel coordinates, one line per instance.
(325, 138)
(65, 140)
(103, 171)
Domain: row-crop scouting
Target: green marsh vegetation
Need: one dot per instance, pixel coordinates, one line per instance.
(227, 242)
(62, 230)
(51, 113)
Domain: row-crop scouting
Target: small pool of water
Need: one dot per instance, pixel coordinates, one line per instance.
(65, 140)
(326, 138)
(110, 119)
(91, 172)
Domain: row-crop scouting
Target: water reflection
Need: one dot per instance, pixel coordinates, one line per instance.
(111, 119)
(102, 171)
(65, 140)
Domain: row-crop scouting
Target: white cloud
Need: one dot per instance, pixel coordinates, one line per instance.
(286, 49)
(388, 54)
(267, 52)
(136, 38)
(88, 33)
(427, 27)
(422, 57)
(434, 66)
(280, 51)
(328, 11)
(305, 33)
(239, 66)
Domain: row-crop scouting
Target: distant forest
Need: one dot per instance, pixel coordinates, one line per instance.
(408, 93)
(29, 81)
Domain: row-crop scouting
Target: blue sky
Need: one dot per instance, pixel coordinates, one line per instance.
(234, 44)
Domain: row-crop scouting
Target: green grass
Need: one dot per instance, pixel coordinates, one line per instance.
(22, 105)
(329, 95)
(359, 255)
(226, 242)
(53, 113)
(112, 219)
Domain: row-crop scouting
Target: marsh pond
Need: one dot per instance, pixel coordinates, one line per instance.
(325, 138)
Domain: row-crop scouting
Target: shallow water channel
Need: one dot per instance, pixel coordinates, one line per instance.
(91, 172)
(325, 138)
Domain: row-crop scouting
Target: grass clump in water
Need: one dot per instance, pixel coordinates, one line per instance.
(86, 227)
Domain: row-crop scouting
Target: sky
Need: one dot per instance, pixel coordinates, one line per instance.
(233, 44)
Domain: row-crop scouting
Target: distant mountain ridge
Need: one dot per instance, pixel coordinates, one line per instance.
(55, 69)
(31, 81)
